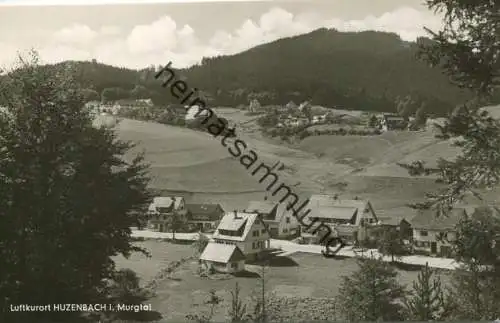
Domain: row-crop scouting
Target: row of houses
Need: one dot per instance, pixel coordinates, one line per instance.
(245, 234)
(207, 217)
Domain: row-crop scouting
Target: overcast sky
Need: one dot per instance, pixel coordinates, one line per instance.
(138, 35)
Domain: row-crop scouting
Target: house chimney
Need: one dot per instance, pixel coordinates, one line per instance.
(235, 214)
(336, 197)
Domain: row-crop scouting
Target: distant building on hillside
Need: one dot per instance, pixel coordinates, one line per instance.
(254, 106)
(177, 110)
(291, 105)
(195, 112)
(390, 122)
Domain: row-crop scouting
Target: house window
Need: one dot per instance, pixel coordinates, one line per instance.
(255, 233)
(234, 265)
(285, 230)
(424, 233)
(287, 220)
(263, 231)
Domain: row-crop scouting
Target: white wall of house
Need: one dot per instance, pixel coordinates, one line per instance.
(230, 267)
(423, 239)
(206, 224)
(254, 243)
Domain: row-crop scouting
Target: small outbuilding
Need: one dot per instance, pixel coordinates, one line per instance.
(225, 258)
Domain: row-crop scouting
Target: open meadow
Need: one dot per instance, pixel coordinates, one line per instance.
(197, 166)
(303, 277)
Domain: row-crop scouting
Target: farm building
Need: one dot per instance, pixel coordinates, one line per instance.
(390, 122)
(349, 219)
(205, 216)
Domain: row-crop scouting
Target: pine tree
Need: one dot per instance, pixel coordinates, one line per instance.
(371, 293)
(476, 286)
(428, 301)
(68, 196)
(391, 243)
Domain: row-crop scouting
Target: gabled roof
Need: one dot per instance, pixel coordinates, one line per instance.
(234, 221)
(429, 220)
(270, 211)
(204, 212)
(223, 253)
(394, 216)
(327, 206)
(166, 202)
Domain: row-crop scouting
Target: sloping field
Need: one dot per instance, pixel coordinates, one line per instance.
(183, 159)
(196, 164)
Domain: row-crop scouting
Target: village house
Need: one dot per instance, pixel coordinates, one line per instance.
(392, 122)
(178, 110)
(225, 258)
(246, 231)
(205, 217)
(319, 119)
(281, 223)
(290, 106)
(349, 219)
(162, 208)
(195, 112)
(398, 218)
(432, 234)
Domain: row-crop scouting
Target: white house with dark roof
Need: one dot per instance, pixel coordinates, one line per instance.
(244, 230)
(348, 218)
(432, 234)
(226, 258)
(392, 122)
(281, 222)
(162, 208)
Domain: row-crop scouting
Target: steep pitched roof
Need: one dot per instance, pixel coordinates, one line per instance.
(429, 220)
(234, 221)
(167, 202)
(223, 253)
(270, 211)
(204, 212)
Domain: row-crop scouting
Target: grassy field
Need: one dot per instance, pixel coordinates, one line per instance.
(301, 275)
(198, 165)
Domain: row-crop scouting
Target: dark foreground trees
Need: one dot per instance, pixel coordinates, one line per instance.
(372, 293)
(67, 197)
(468, 49)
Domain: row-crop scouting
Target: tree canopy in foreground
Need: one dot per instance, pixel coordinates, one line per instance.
(67, 196)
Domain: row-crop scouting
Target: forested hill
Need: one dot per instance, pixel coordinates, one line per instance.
(361, 71)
